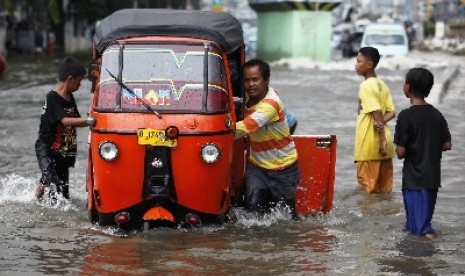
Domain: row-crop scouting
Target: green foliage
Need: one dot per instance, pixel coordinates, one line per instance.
(430, 28)
(93, 10)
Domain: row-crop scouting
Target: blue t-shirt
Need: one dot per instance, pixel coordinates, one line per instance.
(291, 120)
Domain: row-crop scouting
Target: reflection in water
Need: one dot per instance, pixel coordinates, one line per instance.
(378, 204)
(416, 246)
(361, 236)
(414, 256)
(282, 248)
(316, 242)
(117, 256)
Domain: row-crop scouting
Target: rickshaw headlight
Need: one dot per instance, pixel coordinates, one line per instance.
(108, 150)
(210, 153)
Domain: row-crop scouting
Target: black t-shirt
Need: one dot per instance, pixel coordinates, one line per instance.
(422, 130)
(52, 133)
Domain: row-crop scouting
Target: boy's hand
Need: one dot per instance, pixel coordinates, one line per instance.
(378, 126)
(383, 147)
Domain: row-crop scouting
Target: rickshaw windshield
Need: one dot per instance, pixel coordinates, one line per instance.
(170, 78)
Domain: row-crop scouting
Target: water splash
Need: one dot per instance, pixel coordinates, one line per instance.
(54, 200)
(16, 188)
(248, 219)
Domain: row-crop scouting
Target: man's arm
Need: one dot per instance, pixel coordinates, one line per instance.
(241, 130)
(251, 123)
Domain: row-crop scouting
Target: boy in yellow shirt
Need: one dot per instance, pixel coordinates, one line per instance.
(374, 150)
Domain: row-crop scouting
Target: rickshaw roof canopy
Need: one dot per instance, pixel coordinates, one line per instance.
(220, 27)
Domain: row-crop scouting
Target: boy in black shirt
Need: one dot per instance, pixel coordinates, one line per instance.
(421, 134)
(56, 144)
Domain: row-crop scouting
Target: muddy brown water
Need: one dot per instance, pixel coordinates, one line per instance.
(362, 235)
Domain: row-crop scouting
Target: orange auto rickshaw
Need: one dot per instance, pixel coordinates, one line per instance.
(167, 94)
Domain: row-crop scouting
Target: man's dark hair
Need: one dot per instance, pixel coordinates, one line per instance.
(70, 66)
(420, 81)
(263, 66)
(370, 53)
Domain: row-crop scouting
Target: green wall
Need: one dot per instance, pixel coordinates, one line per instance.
(288, 34)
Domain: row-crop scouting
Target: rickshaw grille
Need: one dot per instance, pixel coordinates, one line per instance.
(159, 185)
(158, 176)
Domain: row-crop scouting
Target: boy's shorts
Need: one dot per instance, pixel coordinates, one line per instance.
(54, 170)
(375, 176)
(58, 176)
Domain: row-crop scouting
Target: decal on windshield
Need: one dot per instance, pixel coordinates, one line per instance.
(163, 96)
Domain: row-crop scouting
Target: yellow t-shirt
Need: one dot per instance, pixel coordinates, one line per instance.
(373, 95)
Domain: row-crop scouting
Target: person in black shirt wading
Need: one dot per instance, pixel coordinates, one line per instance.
(56, 144)
(421, 135)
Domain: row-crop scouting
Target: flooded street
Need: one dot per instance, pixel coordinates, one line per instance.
(362, 235)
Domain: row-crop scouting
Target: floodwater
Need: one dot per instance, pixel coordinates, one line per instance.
(362, 235)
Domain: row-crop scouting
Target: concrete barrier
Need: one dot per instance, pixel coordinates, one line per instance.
(441, 84)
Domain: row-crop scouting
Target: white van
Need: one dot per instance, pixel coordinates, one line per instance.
(389, 39)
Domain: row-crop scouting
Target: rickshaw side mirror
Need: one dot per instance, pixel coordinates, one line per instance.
(239, 108)
(234, 69)
(92, 73)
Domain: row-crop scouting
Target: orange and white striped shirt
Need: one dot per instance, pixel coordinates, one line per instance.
(271, 144)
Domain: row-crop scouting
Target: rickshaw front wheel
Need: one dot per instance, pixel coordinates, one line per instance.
(92, 216)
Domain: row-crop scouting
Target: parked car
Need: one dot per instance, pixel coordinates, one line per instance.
(337, 34)
(389, 39)
(350, 43)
